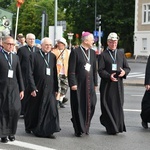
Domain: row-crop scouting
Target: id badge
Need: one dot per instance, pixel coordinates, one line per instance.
(10, 73)
(48, 71)
(87, 67)
(114, 67)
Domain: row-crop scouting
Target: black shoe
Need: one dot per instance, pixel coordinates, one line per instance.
(78, 134)
(11, 137)
(52, 136)
(28, 131)
(65, 100)
(61, 105)
(4, 140)
(144, 125)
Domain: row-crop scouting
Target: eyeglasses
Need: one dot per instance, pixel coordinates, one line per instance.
(48, 44)
(9, 44)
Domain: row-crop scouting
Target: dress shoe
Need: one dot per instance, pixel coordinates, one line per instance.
(61, 105)
(144, 125)
(28, 131)
(11, 137)
(65, 100)
(51, 136)
(4, 140)
(78, 134)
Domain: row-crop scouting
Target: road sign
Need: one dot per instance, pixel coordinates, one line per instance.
(96, 33)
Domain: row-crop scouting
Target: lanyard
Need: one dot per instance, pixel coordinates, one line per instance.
(113, 58)
(6, 57)
(47, 63)
(30, 49)
(88, 58)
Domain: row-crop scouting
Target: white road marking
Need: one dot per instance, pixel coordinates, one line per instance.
(29, 146)
(135, 72)
(136, 75)
(137, 95)
(133, 110)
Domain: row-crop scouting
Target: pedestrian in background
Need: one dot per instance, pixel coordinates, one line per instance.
(24, 53)
(62, 56)
(11, 90)
(42, 118)
(21, 41)
(112, 68)
(82, 77)
(145, 105)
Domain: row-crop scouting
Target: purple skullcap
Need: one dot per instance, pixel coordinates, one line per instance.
(85, 33)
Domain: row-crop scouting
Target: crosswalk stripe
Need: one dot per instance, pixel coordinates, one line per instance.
(136, 74)
(133, 110)
(29, 146)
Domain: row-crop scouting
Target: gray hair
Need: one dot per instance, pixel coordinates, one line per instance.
(7, 37)
(30, 34)
(46, 38)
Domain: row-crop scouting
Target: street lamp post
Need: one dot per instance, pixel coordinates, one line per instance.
(70, 37)
(43, 20)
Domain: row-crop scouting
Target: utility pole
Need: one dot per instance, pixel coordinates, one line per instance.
(43, 24)
(55, 21)
(95, 12)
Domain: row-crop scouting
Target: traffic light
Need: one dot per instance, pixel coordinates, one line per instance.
(98, 21)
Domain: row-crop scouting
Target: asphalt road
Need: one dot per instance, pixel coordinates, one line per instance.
(136, 138)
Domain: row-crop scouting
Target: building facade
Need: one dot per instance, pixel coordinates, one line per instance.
(142, 28)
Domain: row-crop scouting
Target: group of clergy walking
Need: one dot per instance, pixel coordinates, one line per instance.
(40, 79)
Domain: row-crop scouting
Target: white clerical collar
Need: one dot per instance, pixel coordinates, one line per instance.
(6, 51)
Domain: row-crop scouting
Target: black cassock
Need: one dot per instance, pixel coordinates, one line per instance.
(24, 53)
(83, 100)
(10, 88)
(145, 105)
(112, 93)
(41, 114)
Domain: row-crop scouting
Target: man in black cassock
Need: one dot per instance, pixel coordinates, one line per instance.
(24, 53)
(112, 68)
(41, 117)
(145, 105)
(11, 90)
(82, 77)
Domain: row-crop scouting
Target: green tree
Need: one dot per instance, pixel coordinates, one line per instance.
(117, 16)
(5, 3)
(30, 16)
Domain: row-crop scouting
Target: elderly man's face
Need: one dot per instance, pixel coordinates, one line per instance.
(9, 44)
(30, 40)
(112, 44)
(89, 41)
(46, 45)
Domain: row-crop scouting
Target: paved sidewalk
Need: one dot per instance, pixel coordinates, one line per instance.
(136, 82)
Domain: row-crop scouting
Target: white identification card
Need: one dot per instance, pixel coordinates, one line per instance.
(48, 71)
(10, 73)
(114, 67)
(87, 67)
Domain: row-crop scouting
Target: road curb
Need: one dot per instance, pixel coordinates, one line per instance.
(133, 84)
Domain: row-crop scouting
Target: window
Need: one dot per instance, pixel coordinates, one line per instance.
(146, 13)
